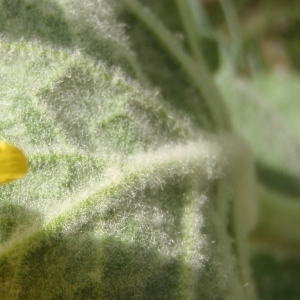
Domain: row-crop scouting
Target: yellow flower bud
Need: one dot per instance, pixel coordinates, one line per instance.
(13, 164)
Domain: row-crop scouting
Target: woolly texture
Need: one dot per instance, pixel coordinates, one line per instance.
(118, 201)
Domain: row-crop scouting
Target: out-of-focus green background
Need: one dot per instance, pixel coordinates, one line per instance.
(258, 36)
(260, 40)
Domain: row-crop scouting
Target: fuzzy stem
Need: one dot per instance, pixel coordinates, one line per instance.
(189, 27)
(202, 23)
(196, 70)
(232, 23)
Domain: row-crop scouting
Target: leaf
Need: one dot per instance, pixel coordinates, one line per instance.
(265, 113)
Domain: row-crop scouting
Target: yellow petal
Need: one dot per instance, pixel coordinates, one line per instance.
(13, 164)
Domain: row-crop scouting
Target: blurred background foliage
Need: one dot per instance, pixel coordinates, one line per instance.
(255, 35)
(260, 42)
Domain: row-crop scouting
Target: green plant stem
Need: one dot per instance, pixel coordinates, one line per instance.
(189, 27)
(196, 70)
(232, 24)
(200, 18)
